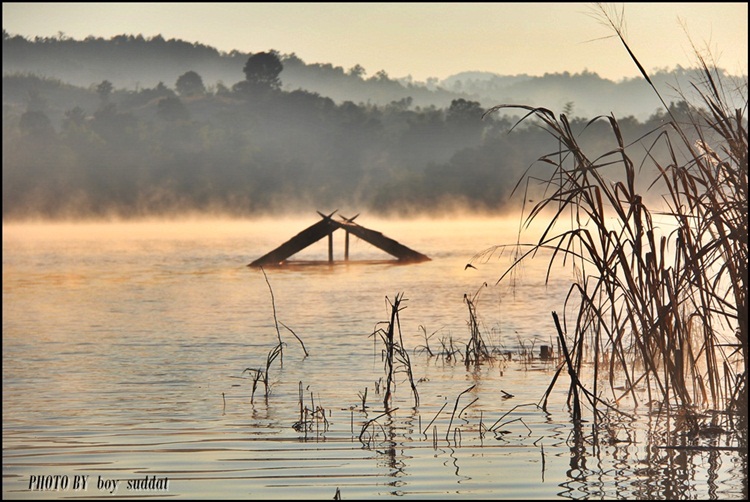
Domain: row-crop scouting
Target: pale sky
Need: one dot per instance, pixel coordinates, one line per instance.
(419, 39)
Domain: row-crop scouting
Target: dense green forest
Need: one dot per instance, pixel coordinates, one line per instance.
(255, 144)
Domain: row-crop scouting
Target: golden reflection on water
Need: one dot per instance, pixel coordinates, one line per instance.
(124, 346)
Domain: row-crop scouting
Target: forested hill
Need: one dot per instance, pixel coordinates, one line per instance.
(130, 127)
(133, 62)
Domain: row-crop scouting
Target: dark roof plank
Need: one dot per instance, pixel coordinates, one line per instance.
(305, 238)
(380, 241)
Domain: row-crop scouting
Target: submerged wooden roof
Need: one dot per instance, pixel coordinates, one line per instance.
(325, 227)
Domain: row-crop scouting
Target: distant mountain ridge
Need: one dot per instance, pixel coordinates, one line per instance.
(134, 62)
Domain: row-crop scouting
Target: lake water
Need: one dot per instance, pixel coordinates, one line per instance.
(125, 345)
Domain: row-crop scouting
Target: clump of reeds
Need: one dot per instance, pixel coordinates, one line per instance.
(476, 349)
(448, 351)
(260, 374)
(310, 418)
(426, 347)
(395, 356)
(525, 350)
(669, 308)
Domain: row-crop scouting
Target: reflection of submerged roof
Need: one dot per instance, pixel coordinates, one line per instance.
(326, 227)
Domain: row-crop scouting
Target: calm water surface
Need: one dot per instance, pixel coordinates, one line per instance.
(125, 345)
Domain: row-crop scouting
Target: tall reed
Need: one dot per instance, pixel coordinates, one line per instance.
(395, 356)
(277, 322)
(667, 309)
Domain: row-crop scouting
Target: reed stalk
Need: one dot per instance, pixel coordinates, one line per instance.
(370, 423)
(433, 418)
(363, 398)
(455, 407)
(277, 322)
(275, 319)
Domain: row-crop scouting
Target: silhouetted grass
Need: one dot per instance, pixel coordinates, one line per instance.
(260, 374)
(662, 311)
(310, 417)
(395, 356)
(476, 349)
(277, 322)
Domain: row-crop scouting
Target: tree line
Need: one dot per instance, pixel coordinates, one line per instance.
(254, 148)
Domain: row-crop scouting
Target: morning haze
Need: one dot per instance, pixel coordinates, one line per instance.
(133, 125)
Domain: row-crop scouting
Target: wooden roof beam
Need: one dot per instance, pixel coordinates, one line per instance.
(305, 238)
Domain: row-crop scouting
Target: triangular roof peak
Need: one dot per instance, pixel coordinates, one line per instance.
(325, 227)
